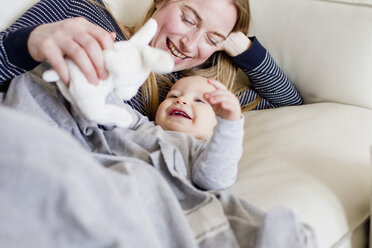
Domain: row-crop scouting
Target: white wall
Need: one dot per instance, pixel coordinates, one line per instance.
(126, 11)
(11, 9)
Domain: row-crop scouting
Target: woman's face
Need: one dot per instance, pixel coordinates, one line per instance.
(192, 30)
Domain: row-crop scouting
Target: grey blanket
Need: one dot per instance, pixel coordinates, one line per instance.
(57, 192)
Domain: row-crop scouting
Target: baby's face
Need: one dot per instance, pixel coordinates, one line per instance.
(186, 110)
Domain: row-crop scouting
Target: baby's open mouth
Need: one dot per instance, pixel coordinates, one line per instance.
(180, 113)
(177, 54)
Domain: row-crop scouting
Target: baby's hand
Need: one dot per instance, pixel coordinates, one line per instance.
(224, 103)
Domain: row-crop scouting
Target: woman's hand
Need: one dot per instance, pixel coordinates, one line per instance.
(224, 103)
(236, 43)
(79, 40)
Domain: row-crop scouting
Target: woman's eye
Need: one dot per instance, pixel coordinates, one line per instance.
(199, 100)
(172, 96)
(212, 41)
(187, 20)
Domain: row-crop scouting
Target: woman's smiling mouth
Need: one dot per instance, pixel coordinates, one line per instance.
(174, 51)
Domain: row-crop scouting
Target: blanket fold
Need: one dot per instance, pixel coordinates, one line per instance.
(66, 182)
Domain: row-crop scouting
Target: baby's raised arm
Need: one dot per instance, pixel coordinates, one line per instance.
(224, 103)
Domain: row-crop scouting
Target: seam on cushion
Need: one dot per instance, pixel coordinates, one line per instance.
(360, 4)
(347, 235)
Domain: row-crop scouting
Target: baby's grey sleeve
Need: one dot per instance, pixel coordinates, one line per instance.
(217, 166)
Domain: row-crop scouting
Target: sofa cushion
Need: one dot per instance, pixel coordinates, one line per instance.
(312, 158)
(323, 46)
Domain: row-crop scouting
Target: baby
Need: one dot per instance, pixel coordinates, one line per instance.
(203, 120)
(192, 104)
(198, 129)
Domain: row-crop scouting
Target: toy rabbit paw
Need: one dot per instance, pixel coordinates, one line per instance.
(129, 64)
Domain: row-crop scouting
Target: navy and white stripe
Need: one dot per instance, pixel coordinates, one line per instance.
(274, 86)
(266, 77)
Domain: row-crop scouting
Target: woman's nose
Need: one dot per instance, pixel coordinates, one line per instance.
(190, 40)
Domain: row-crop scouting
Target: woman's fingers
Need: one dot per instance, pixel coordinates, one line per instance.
(78, 39)
(94, 51)
(88, 55)
(58, 62)
(236, 43)
(98, 40)
(105, 39)
(81, 58)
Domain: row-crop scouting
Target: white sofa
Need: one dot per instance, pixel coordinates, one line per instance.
(315, 158)
(312, 158)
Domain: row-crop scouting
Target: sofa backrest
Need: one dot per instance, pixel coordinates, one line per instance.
(324, 46)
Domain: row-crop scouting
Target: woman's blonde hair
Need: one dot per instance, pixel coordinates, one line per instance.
(219, 66)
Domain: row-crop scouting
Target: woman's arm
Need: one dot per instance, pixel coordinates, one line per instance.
(47, 32)
(266, 77)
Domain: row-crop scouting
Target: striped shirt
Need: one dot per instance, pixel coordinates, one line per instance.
(266, 78)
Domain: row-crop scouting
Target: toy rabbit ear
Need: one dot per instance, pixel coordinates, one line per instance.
(157, 60)
(146, 33)
(50, 76)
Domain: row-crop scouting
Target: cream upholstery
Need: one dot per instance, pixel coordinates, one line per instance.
(312, 158)
(324, 46)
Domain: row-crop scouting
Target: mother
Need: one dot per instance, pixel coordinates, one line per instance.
(205, 37)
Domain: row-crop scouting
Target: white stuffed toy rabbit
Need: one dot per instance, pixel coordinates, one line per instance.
(129, 64)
